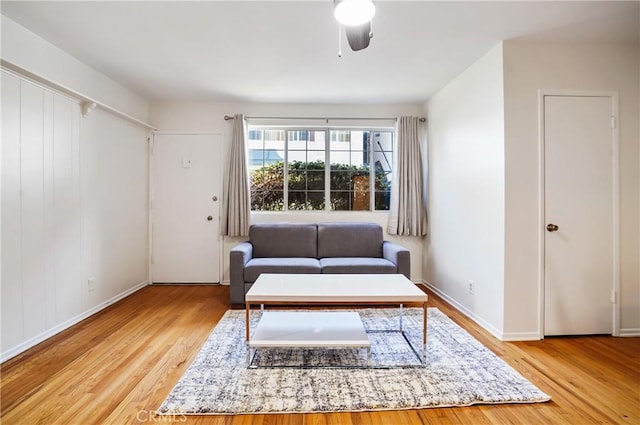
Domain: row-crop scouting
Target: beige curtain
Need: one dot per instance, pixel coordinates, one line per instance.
(237, 201)
(408, 216)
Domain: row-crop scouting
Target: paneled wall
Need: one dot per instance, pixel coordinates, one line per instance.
(74, 207)
(40, 210)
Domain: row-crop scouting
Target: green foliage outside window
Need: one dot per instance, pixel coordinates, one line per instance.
(306, 187)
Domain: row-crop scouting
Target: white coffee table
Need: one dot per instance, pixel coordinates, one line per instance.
(296, 329)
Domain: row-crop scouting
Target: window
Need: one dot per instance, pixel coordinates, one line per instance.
(266, 168)
(320, 169)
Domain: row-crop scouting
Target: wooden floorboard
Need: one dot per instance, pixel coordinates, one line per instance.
(118, 366)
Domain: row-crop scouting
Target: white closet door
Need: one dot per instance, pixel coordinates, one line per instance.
(579, 262)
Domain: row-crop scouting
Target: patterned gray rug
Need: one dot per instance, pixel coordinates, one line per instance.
(460, 372)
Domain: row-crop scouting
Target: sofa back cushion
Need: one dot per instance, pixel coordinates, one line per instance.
(277, 240)
(349, 240)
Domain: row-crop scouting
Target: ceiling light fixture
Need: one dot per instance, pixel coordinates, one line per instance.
(353, 12)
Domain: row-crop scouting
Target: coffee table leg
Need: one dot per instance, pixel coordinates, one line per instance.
(424, 333)
(401, 318)
(247, 325)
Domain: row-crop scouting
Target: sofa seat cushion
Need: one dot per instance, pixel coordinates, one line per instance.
(256, 266)
(357, 265)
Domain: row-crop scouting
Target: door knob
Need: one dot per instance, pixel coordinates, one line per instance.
(552, 227)
(215, 198)
(209, 218)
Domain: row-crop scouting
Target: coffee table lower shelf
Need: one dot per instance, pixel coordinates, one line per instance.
(308, 329)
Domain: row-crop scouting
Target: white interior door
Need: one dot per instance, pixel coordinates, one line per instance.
(186, 185)
(579, 186)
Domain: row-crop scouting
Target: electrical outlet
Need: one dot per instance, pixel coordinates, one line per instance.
(471, 287)
(91, 284)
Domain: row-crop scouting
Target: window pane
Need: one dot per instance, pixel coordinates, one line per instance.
(256, 178)
(297, 200)
(316, 156)
(303, 200)
(274, 135)
(340, 158)
(383, 141)
(255, 135)
(297, 180)
(260, 157)
(298, 139)
(341, 180)
(297, 156)
(316, 199)
(340, 139)
(360, 159)
(267, 200)
(383, 200)
(316, 140)
(361, 193)
(264, 153)
(383, 160)
(315, 180)
(340, 201)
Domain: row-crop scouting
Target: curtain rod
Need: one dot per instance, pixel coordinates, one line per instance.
(230, 117)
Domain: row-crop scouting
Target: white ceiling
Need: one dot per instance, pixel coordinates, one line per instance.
(266, 51)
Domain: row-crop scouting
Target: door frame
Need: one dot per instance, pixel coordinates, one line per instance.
(615, 290)
(150, 139)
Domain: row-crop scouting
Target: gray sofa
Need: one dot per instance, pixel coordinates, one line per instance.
(313, 248)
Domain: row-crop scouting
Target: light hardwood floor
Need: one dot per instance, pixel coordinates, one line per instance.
(118, 366)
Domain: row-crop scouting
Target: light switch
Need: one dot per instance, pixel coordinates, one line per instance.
(186, 162)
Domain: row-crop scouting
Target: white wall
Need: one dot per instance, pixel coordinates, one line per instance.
(466, 191)
(208, 117)
(529, 67)
(22, 48)
(114, 181)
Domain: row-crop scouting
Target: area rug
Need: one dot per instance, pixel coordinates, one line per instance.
(459, 371)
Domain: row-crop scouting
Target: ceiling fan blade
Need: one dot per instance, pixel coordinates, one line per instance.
(359, 36)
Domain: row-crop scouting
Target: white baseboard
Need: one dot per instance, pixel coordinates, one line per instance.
(484, 324)
(12, 352)
(630, 332)
(508, 336)
(520, 336)
(502, 336)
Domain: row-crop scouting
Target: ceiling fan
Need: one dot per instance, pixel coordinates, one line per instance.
(356, 17)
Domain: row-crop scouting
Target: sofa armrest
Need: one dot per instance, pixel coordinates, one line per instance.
(399, 256)
(239, 256)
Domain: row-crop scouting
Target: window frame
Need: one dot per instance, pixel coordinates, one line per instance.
(263, 129)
